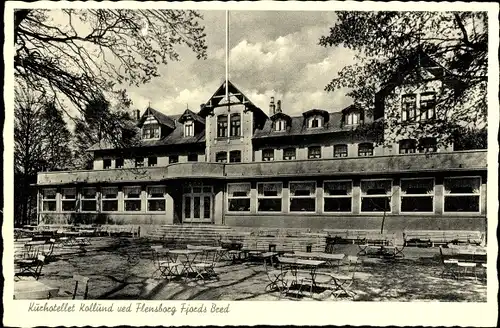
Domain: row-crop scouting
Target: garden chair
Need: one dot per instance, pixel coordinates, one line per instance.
(31, 267)
(83, 283)
(450, 266)
(345, 280)
(205, 267)
(167, 267)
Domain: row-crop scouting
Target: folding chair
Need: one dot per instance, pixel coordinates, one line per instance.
(344, 281)
(81, 281)
(450, 266)
(166, 267)
(205, 267)
(32, 267)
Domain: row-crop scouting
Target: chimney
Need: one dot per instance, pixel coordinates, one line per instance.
(272, 107)
(137, 114)
(278, 107)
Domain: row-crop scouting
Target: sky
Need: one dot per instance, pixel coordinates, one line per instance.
(272, 53)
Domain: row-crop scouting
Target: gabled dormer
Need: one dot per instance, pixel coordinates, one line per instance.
(281, 122)
(352, 116)
(192, 123)
(155, 125)
(316, 118)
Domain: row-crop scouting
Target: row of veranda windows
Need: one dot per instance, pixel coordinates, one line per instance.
(234, 125)
(151, 161)
(106, 200)
(416, 196)
(364, 149)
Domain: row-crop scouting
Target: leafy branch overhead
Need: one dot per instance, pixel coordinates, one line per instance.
(81, 54)
(389, 46)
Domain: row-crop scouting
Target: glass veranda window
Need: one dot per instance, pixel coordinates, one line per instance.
(417, 195)
(302, 196)
(376, 195)
(49, 200)
(269, 196)
(109, 199)
(238, 197)
(156, 199)
(89, 199)
(68, 197)
(132, 196)
(337, 196)
(462, 194)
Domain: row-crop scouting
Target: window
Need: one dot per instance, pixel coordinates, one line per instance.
(109, 199)
(365, 149)
(376, 195)
(68, 197)
(409, 107)
(222, 126)
(417, 195)
(407, 146)
(156, 199)
(235, 156)
(119, 163)
(139, 162)
(107, 163)
(268, 155)
(315, 122)
(49, 200)
(314, 152)
(302, 196)
(289, 154)
(235, 125)
(221, 157)
(132, 196)
(280, 125)
(353, 119)
(427, 145)
(89, 200)
(192, 157)
(427, 105)
(151, 131)
(337, 196)
(238, 197)
(462, 194)
(340, 151)
(188, 129)
(269, 197)
(173, 159)
(152, 161)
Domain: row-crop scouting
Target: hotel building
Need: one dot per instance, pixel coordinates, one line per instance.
(233, 163)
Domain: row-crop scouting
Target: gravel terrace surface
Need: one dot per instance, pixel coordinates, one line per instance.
(122, 268)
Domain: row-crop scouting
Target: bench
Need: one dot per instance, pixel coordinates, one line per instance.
(432, 238)
(381, 243)
(119, 230)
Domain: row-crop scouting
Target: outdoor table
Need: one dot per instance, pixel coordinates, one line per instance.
(268, 255)
(33, 290)
(295, 263)
(189, 256)
(330, 259)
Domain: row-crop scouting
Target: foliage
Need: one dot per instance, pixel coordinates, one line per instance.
(102, 123)
(389, 45)
(79, 55)
(470, 138)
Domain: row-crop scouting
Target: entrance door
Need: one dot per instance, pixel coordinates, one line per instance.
(197, 204)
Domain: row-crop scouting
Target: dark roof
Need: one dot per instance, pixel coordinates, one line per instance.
(297, 127)
(160, 117)
(190, 114)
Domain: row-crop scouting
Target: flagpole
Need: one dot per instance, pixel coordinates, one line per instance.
(227, 55)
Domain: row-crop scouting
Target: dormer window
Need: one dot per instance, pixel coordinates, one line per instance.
(280, 125)
(315, 122)
(353, 118)
(189, 129)
(150, 128)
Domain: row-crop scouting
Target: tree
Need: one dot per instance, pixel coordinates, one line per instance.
(389, 47)
(28, 152)
(102, 123)
(78, 55)
(56, 139)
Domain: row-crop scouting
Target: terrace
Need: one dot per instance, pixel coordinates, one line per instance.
(122, 268)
